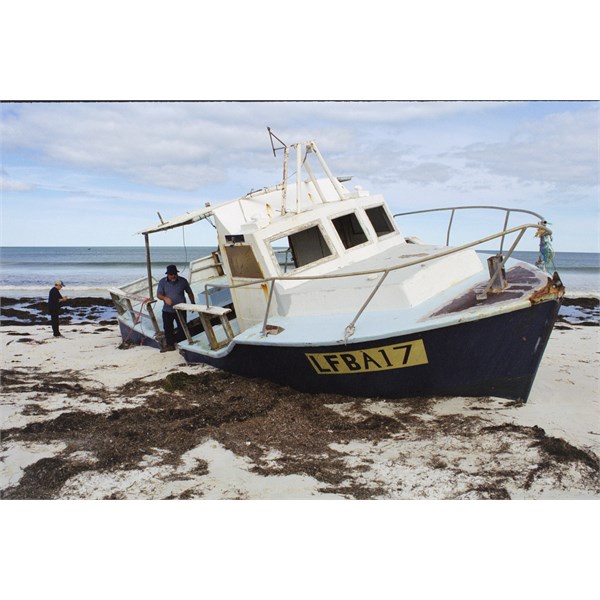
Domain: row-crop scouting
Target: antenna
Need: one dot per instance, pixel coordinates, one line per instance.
(271, 136)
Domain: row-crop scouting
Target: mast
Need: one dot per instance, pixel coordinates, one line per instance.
(300, 186)
(299, 182)
(149, 267)
(334, 181)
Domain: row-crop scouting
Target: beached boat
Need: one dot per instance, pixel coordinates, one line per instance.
(315, 286)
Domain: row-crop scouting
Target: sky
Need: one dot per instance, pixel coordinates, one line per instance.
(95, 173)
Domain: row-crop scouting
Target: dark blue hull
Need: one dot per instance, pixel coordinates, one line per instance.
(134, 337)
(493, 356)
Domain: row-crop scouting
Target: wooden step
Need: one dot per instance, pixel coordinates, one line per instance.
(215, 311)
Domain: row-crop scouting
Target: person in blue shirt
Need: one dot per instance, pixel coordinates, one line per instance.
(171, 290)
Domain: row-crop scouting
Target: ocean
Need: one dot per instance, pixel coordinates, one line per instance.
(85, 271)
(31, 271)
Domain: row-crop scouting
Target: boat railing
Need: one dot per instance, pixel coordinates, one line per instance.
(453, 209)
(350, 328)
(138, 288)
(128, 300)
(137, 301)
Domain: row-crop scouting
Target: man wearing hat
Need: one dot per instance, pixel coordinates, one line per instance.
(171, 290)
(54, 300)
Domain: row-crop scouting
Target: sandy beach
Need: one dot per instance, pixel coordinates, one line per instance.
(85, 418)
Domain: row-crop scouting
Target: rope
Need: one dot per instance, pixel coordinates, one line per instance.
(546, 257)
(185, 250)
(137, 320)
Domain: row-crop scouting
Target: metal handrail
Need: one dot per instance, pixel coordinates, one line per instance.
(470, 207)
(119, 297)
(351, 326)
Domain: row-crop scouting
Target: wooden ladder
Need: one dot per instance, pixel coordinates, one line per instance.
(207, 313)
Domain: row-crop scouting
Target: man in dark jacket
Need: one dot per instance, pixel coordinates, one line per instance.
(171, 290)
(54, 300)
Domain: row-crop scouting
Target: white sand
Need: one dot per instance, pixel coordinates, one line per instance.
(565, 402)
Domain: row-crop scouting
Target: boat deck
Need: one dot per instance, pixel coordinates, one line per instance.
(521, 282)
(458, 304)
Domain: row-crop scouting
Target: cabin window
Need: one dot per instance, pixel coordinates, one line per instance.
(380, 220)
(349, 230)
(242, 262)
(305, 247)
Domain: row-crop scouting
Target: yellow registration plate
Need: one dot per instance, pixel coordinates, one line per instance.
(395, 356)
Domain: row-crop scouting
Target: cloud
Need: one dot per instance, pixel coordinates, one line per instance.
(8, 184)
(426, 173)
(560, 149)
(131, 153)
(185, 177)
(141, 142)
(185, 146)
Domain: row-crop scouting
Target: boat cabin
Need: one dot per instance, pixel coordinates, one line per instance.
(325, 230)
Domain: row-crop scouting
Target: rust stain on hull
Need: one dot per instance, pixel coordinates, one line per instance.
(553, 290)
